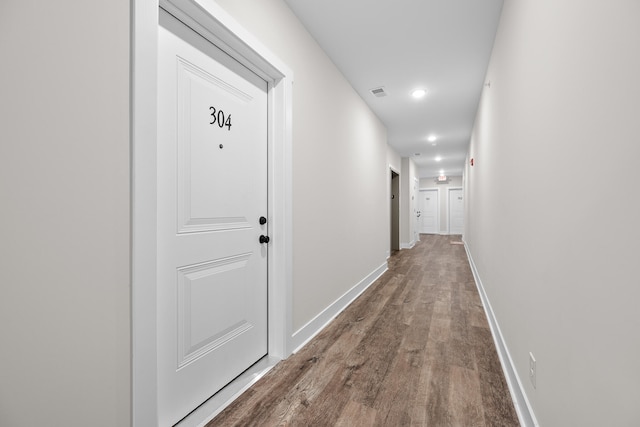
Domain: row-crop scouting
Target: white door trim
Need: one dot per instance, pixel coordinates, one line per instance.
(212, 22)
(389, 207)
(449, 207)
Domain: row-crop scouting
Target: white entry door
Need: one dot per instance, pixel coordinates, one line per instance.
(456, 211)
(428, 205)
(212, 193)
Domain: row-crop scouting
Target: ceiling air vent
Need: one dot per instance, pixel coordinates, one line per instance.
(379, 92)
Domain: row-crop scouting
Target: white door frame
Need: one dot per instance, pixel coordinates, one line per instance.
(449, 206)
(212, 22)
(390, 207)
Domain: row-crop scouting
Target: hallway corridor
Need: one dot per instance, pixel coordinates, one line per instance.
(414, 349)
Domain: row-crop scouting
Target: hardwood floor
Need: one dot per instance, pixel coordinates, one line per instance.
(414, 349)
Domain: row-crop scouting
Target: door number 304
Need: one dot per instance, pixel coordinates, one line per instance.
(217, 116)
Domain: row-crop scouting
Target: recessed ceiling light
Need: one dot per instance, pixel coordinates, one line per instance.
(418, 93)
(432, 138)
(438, 158)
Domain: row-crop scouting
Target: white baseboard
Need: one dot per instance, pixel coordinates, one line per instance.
(523, 408)
(318, 323)
(409, 245)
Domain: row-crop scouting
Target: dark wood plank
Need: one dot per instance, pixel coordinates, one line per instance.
(356, 415)
(396, 399)
(465, 398)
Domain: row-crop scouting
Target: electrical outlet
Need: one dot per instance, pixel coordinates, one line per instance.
(532, 369)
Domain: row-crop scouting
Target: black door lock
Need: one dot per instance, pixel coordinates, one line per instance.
(264, 239)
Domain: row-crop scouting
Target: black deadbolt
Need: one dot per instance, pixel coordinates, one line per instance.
(263, 220)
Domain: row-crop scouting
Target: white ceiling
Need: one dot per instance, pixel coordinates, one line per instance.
(440, 45)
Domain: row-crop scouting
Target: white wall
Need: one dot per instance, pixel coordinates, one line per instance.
(443, 198)
(394, 159)
(408, 188)
(552, 210)
(340, 165)
(64, 222)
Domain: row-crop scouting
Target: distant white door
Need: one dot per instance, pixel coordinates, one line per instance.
(428, 210)
(456, 211)
(212, 191)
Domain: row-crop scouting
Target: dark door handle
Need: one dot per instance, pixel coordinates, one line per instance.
(264, 239)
